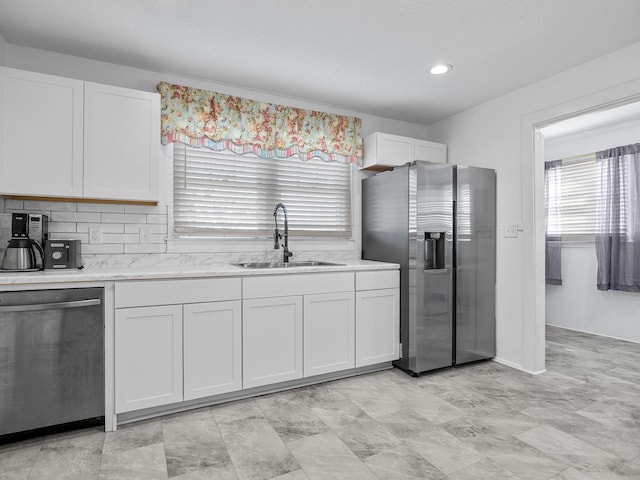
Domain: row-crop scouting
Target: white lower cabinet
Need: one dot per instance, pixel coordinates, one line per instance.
(329, 331)
(377, 317)
(180, 340)
(176, 340)
(272, 340)
(148, 357)
(212, 339)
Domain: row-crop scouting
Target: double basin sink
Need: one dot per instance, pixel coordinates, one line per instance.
(310, 263)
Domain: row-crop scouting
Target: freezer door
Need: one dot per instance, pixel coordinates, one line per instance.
(433, 266)
(475, 264)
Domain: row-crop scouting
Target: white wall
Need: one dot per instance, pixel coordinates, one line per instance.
(500, 134)
(577, 303)
(120, 224)
(592, 140)
(75, 67)
(3, 50)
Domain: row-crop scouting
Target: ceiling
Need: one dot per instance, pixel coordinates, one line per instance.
(369, 56)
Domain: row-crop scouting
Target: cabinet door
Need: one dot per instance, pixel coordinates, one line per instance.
(394, 150)
(329, 331)
(212, 348)
(121, 143)
(377, 326)
(148, 355)
(272, 340)
(384, 149)
(40, 134)
(430, 151)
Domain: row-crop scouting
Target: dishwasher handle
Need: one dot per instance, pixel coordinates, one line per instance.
(50, 306)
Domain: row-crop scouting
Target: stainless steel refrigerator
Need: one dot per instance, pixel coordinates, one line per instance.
(438, 221)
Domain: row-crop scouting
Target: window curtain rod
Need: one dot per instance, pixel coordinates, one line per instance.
(584, 157)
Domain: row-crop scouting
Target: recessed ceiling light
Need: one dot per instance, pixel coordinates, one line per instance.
(440, 69)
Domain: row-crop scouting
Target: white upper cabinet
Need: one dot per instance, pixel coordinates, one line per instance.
(429, 151)
(121, 143)
(61, 137)
(383, 150)
(41, 123)
(386, 150)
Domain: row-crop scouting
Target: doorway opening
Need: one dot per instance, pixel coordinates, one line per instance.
(576, 304)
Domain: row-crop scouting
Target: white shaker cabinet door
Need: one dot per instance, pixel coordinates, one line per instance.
(329, 331)
(430, 151)
(272, 340)
(212, 348)
(121, 143)
(377, 326)
(386, 150)
(41, 123)
(148, 357)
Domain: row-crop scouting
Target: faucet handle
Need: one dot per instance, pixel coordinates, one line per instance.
(288, 253)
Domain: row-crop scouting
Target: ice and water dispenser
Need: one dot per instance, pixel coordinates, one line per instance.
(434, 243)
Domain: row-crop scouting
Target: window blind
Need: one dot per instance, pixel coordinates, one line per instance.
(572, 203)
(227, 195)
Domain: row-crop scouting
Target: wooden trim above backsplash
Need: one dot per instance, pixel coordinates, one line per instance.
(80, 200)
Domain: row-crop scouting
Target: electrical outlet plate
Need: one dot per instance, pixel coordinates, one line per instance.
(511, 231)
(95, 235)
(144, 234)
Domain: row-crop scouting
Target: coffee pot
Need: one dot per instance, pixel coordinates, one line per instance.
(21, 255)
(24, 252)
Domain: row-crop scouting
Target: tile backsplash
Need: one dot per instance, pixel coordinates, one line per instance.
(119, 225)
(122, 245)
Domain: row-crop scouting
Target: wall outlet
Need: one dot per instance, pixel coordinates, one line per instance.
(511, 231)
(95, 235)
(144, 234)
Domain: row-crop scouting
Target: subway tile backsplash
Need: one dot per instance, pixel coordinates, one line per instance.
(121, 245)
(119, 224)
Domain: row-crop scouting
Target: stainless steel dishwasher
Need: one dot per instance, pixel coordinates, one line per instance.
(51, 359)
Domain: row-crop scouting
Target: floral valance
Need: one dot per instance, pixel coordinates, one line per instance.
(200, 118)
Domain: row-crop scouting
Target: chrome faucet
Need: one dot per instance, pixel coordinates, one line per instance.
(277, 235)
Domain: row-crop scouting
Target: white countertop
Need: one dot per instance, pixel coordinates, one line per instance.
(148, 273)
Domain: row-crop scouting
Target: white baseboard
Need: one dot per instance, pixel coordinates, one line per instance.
(517, 366)
(592, 333)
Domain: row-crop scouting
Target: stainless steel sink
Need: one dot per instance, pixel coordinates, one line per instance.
(310, 263)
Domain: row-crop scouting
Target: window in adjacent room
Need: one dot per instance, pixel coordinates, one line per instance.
(222, 194)
(571, 199)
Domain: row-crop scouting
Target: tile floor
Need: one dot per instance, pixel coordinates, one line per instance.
(580, 420)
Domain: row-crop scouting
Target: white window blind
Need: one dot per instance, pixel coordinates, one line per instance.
(227, 195)
(572, 200)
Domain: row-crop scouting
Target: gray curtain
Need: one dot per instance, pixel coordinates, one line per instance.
(618, 218)
(553, 237)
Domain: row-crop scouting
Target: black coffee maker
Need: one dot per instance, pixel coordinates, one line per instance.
(24, 252)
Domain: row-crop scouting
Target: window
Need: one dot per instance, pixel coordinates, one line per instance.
(220, 194)
(571, 196)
